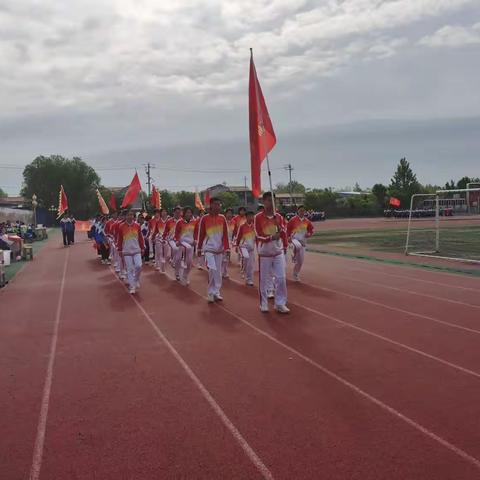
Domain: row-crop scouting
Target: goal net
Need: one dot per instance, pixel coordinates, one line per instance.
(446, 225)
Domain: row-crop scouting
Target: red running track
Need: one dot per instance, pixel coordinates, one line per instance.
(359, 382)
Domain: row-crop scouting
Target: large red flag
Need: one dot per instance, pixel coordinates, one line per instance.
(132, 193)
(112, 202)
(156, 200)
(101, 202)
(62, 202)
(262, 136)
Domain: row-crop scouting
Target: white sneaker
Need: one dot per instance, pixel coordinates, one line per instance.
(177, 278)
(211, 298)
(250, 283)
(270, 295)
(282, 309)
(264, 308)
(131, 290)
(185, 282)
(296, 278)
(137, 285)
(226, 276)
(218, 297)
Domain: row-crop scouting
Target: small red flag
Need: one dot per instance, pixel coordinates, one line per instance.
(103, 205)
(262, 136)
(207, 197)
(198, 203)
(155, 199)
(132, 193)
(394, 202)
(62, 202)
(112, 202)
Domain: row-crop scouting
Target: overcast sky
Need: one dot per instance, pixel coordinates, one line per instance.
(351, 85)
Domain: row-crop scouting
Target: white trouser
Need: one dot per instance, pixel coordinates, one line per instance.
(111, 244)
(214, 274)
(225, 262)
(160, 253)
(298, 256)
(272, 267)
(133, 264)
(174, 256)
(248, 264)
(185, 251)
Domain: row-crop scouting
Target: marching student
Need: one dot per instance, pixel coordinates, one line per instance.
(239, 220)
(185, 240)
(145, 229)
(231, 228)
(245, 242)
(271, 246)
(160, 245)
(120, 264)
(102, 241)
(200, 259)
(108, 234)
(168, 236)
(299, 228)
(131, 247)
(213, 242)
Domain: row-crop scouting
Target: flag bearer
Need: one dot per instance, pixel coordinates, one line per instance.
(271, 245)
(168, 236)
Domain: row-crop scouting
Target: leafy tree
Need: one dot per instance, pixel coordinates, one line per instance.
(462, 183)
(229, 199)
(45, 175)
(3, 194)
(450, 185)
(404, 183)
(168, 200)
(379, 191)
(184, 199)
(294, 187)
(357, 187)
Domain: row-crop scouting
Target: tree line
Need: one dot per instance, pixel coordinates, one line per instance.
(44, 175)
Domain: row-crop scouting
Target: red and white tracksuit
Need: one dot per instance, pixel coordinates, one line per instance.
(131, 246)
(168, 236)
(185, 239)
(239, 220)
(226, 255)
(245, 241)
(213, 241)
(271, 256)
(161, 247)
(298, 230)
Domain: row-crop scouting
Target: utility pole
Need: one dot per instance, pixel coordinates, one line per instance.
(148, 167)
(289, 168)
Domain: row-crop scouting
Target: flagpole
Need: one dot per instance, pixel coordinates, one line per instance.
(263, 135)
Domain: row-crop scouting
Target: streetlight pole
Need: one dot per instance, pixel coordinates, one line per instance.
(34, 205)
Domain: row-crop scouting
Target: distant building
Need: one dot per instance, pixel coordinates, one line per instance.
(14, 202)
(244, 194)
(288, 201)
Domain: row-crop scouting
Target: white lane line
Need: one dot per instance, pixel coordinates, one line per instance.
(417, 426)
(381, 337)
(396, 309)
(251, 454)
(416, 279)
(410, 268)
(410, 292)
(47, 388)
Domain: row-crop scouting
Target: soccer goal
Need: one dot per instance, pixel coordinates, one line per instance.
(445, 224)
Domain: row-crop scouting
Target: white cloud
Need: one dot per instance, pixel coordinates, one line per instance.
(453, 36)
(96, 53)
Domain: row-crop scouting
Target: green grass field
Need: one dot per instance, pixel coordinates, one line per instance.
(462, 241)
